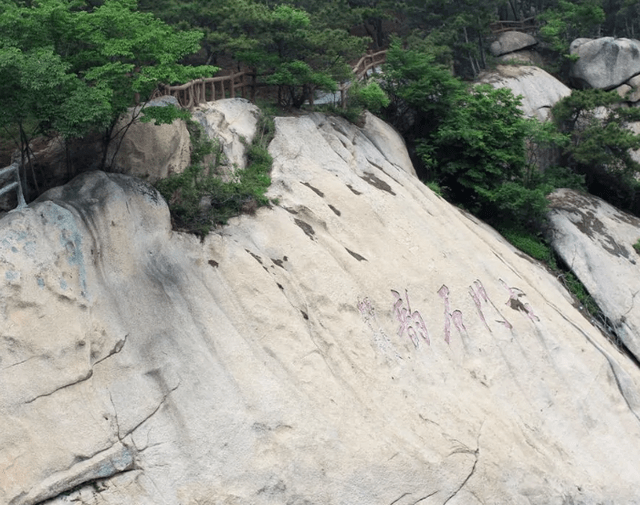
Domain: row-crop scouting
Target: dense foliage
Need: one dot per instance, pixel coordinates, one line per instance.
(74, 66)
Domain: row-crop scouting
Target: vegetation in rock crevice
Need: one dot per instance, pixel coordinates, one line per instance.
(202, 196)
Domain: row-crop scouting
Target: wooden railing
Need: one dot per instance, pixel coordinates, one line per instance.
(526, 26)
(16, 185)
(210, 89)
(368, 62)
(244, 84)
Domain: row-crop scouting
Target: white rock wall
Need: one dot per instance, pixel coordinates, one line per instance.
(360, 342)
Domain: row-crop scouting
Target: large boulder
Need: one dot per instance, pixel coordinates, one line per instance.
(539, 90)
(596, 241)
(151, 152)
(604, 63)
(509, 42)
(360, 342)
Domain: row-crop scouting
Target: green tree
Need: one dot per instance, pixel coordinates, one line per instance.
(71, 67)
(461, 27)
(421, 91)
(601, 144)
(568, 21)
(298, 55)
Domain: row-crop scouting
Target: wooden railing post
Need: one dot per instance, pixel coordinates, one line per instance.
(194, 92)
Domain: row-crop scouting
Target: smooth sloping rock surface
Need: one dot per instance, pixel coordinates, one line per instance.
(606, 62)
(388, 141)
(361, 342)
(595, 240)
(151, 152)
(508, 42)
(540, 90)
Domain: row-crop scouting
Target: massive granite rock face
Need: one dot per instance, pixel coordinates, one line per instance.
(596, 241)
(606, 62)
(359, 342)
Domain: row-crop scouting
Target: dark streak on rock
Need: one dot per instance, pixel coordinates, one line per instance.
(336, 211)
(424, 498)
(377, 183)
(304, 314)
(258, 258)
(355, 192)
(213, 263)
(309, 231)
(399, 498)
(290, 211)
(316, 191)
(81, 379)
(356, 255)
(278, 262)
(116, 349)
(280, 286)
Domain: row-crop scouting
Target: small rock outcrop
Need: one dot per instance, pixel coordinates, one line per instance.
(360, 342)
(604, 63)
(509, 42)
(596, 240)
(151, 152)
(524, 57)
(233, 123)
(539, 90)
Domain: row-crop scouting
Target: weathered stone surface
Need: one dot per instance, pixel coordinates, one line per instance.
(151, 152)
(229, 121)
(508, 42)
(522, 57)
(540, 90)
(606, 62)
(595, 240)
(361, 342)
(623, 90)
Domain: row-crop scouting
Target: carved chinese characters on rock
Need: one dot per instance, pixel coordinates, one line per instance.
(449, 317)
(412, 324)
(481, 300)
(368, 313)
(410, 321)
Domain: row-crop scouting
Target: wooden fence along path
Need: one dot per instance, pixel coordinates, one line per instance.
(528, 25)
(368, 62)
(244, 84)
(210, 89)
(17, 185)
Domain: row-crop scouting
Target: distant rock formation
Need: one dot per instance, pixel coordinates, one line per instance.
(604, 63)
(361, 341)
(596, 240)
(539, 90)
(509, 42)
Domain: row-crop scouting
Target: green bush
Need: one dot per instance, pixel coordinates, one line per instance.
(370, 96)
(529, 243)
(199, 199)
(636, 246)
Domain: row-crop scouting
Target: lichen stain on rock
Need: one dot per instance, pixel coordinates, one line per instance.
(315, 190)
(587, 222)
(376, 183)
(307, 228)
